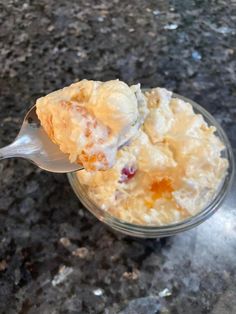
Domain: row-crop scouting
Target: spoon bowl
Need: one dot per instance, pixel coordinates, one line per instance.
(33, 143)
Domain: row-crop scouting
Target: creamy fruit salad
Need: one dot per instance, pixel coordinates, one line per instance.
(90, 120)
(159, 162)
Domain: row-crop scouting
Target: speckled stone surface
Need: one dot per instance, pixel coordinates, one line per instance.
(55, 257)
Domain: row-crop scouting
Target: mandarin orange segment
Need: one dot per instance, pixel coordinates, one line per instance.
(89, 160)
(160, 188)
(92, 158)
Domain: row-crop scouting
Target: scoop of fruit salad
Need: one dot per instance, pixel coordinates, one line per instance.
(90, 120)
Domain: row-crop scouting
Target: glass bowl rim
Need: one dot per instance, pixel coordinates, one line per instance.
(165, 230)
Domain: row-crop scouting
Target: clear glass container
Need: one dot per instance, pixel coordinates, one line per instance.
(147, 231)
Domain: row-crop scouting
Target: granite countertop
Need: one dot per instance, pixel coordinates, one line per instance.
(55, 257)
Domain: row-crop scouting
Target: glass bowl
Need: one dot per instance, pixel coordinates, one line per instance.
(144, 231)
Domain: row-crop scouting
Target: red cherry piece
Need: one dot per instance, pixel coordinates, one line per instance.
(127, 173)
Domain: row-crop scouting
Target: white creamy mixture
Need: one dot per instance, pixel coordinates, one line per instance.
(171, 166)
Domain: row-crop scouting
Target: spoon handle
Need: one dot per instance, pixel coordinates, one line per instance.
(21, 147)
(8, 151)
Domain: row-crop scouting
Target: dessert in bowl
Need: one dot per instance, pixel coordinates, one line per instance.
(155, 163)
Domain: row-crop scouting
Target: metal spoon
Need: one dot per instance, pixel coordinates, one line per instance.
(32, 143)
